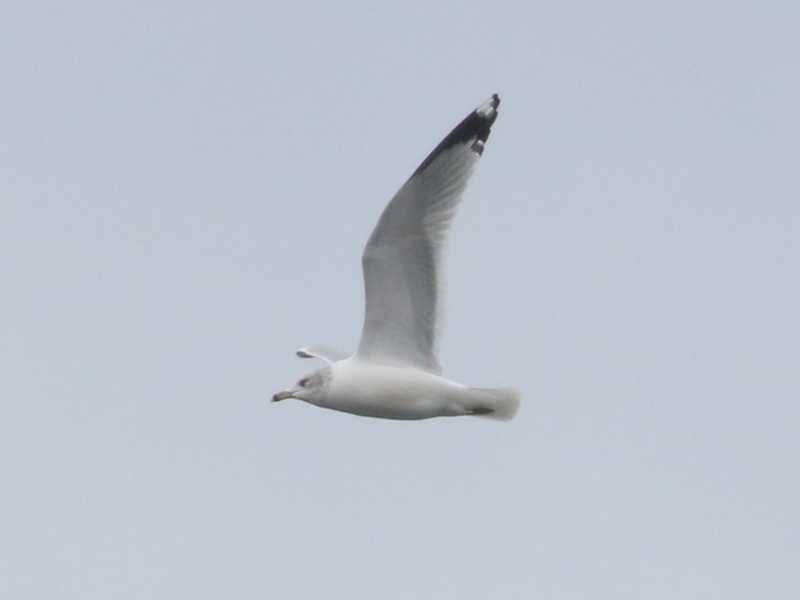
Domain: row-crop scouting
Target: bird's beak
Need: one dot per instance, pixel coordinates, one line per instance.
(282, 395)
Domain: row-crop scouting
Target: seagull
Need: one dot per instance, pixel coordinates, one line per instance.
(395, 373)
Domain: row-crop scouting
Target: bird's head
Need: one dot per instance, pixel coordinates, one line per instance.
(311, 388)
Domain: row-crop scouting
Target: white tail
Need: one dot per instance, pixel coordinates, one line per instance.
(500, 404)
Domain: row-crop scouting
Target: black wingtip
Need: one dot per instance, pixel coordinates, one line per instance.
(474, 129)
(495, 101)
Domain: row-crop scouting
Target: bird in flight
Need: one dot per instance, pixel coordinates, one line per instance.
(395, 373)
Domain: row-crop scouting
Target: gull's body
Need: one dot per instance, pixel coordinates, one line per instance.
(372, 390)
(395, 373)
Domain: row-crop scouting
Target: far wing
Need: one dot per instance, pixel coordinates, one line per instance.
(402, 258)
(329, 355)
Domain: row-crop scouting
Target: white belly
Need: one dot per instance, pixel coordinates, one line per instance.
(392, 392)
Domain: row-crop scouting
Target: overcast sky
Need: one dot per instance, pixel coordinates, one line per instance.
(185, 190)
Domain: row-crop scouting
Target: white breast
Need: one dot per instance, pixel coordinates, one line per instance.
(390, 392)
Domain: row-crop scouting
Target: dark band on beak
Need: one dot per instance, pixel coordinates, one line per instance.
(282, 396)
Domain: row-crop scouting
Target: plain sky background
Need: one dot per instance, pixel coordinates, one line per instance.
(185, 190)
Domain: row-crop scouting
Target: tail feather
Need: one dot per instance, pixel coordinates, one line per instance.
(499, 404)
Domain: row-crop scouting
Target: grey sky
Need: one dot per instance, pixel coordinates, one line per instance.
(186, 188)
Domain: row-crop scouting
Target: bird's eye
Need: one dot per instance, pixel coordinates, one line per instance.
(303, 382)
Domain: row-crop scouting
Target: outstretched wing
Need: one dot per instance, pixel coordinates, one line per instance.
(402, 258)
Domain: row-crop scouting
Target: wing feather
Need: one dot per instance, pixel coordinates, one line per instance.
(402, 259)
